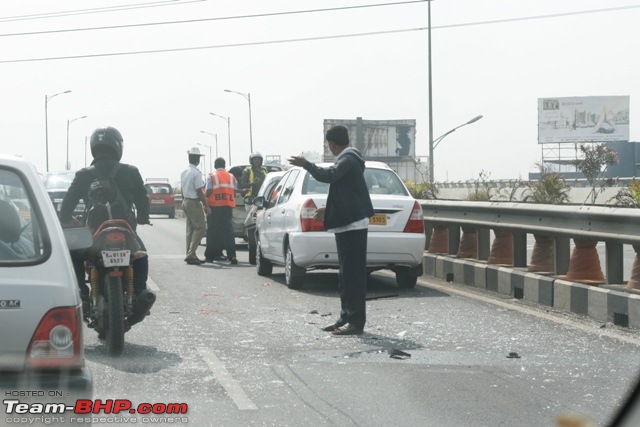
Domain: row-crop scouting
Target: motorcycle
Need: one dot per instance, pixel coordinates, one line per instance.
(113, 305)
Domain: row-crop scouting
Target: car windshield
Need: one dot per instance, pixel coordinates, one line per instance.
(379, 181)
(20, 230)
(58, 181)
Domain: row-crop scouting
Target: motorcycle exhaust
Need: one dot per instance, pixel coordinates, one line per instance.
(143, 304)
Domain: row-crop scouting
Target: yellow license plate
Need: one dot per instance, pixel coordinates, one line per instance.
(378, 219)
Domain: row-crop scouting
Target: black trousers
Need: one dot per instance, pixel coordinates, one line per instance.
(220, 233)
(352, 257)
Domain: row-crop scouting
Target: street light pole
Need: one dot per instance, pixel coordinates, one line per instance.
(47, 98)
(228, 119)
(246, 96)
(441, 137)
(68, 165)
(215, 136)
(431, 175)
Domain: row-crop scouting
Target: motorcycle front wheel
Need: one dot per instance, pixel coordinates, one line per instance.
(114, 324)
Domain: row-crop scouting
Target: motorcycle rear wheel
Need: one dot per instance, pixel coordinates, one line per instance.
(114, 325)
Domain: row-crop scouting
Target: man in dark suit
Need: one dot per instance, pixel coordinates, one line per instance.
(347, 216)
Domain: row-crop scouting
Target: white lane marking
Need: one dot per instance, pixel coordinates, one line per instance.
(231, 386)
(152, 285)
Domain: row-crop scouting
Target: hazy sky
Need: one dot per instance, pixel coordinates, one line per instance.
(489, 57)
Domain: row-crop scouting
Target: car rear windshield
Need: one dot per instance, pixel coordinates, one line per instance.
(21, 231)
(379, 181)
(58, 181)
(158, 188)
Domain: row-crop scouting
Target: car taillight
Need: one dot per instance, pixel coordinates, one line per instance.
(307, 221)
(415, 224)
(56, 342)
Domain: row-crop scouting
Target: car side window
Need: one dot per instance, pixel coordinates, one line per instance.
(273, 196)
(20, 229)
(287, 187)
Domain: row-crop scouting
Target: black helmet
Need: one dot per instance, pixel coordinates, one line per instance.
(106, 140)
(255, 155)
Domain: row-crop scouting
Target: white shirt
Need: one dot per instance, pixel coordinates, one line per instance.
(191, 180)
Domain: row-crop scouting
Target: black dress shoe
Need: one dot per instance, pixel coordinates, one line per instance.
(347, 329)
(332, 327)
(234, 260)
(194, 261)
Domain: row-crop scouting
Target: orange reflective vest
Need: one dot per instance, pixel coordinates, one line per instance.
(223, 189)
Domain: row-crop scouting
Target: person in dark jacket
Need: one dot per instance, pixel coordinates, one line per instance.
(347, 216)
(106, 149)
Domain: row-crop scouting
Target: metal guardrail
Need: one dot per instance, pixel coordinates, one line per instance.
(613, 226)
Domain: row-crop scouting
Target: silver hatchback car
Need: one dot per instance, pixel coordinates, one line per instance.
(41, 333)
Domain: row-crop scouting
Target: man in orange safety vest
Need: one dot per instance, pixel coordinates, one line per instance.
(221, 189)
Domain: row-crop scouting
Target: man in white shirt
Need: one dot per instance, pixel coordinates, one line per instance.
(193, 203)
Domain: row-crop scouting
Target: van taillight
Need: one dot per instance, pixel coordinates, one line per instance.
(57, 340)
(307, 222)
(415, 224)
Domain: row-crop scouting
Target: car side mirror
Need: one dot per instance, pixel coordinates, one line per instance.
(258, 202)
(248, 200)
(78, 238)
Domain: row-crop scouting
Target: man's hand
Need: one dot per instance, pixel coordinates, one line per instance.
(319, 214)
(297, 160)
(207, 209)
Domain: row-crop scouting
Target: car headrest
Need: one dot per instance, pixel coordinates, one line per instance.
(10, 228)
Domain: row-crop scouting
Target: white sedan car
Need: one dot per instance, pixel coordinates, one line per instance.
(288, 235)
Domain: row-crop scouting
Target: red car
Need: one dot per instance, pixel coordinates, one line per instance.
(161, 198)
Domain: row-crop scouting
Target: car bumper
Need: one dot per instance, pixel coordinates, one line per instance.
(384, 250)
(72, 384)
(162, 210)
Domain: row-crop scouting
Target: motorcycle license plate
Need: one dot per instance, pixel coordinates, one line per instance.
(116, 258)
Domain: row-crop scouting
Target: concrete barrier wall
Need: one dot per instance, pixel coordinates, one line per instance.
(603, 303)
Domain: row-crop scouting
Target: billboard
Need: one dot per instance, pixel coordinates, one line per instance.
(583, 119)
(377, 139)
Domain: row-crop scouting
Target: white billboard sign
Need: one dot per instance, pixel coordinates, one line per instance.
(583, 119)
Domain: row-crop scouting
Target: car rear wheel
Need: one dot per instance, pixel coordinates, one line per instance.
(263, 265)
(406, 278)
(294, 275)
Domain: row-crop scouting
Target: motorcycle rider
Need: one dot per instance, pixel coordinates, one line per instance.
(106, 148)
(253, 176)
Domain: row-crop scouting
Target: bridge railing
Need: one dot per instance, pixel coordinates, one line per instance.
(463, 229)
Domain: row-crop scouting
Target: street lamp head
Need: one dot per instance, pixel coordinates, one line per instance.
(475, 119)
